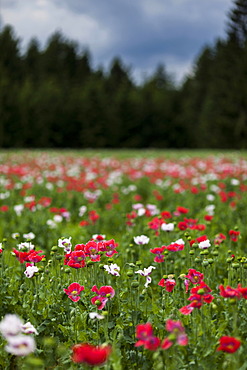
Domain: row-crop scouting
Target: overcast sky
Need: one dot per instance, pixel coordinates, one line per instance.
(143, 33)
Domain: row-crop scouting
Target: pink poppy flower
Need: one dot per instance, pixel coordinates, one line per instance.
(73, 291)
(103, 294)
(144, 332)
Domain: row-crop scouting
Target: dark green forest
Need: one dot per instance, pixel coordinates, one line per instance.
(53, 98)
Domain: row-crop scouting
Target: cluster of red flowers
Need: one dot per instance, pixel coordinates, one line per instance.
(91, 355)
(92, 249)
(234, 234)
(103, 294)
(29, 256)
(199, 294)
(229, 292)
(190, 223)
(168, 283)
(93, 216)
(146, 337)
(229, 344)
(159, 257)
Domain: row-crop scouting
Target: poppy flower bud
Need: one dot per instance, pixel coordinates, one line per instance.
(192, 252)
(138, 263)
(130, 273)
(215, 253)
(205, 263)
(235, 265)
(54, 248)
(135, 284)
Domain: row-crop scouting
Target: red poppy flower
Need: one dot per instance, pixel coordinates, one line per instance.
(144, 332)
(178, 331)
(91, 355)
(159, 256)
(194, 276)
(169, 284)
(73, 291)
(75, 259)
(229, 344)
(175, 247)
(234, 235)
(103, 294)
(4, 208)
(229, 292)
(242, 291)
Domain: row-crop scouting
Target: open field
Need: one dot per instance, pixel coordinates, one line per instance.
(139, 253)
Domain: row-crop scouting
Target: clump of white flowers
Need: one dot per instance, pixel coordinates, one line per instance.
(18, 335)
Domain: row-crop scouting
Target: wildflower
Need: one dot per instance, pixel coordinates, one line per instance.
(103, 294)
(28, 328)
(203, 290)
(91, 249)
(229, 292)
(169, 284)
(30, 256)
(10, 325)
(144, 332)
(18, 209)
(73, 291)
(29, 236)
(158, 252)
(146, 272)
(112, 269)
(234, 235)
(177, 334)
(176, 246)
(195, 277)
(242, 291)
(98, 237)
(75, 259)
(26, 246)
(30, 270)
(204, 244)
(95, 315)
(82, 210)
(180, 210)
(229, 344)
(141, 240)
(65, 243)
(20, 345)
(90, 355)
(15, 235)
(58, 218)
(109, 247)
(219, 238)
(167, 227)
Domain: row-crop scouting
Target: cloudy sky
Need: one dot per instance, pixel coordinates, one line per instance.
(143, 33)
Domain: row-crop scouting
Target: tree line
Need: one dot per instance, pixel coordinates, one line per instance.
(53, 97)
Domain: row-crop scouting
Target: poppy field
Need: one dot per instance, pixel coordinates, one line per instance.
(123, 261)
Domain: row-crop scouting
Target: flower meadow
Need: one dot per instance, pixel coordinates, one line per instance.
(123, 261)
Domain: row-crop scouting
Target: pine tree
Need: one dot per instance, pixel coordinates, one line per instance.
(237, 24)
